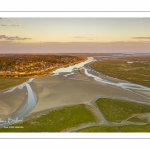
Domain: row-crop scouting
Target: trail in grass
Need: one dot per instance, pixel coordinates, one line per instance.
(99, 113)
(82, 127)
(99, 117)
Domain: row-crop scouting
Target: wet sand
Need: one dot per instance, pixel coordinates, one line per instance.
(10, 101)
(17, 102)
(67, 89)
(60, 90)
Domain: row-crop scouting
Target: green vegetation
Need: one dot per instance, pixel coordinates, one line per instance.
(143, 59)
(135, 119)
(20, 65)
(135, 128)
(100, 129)
(125, 128)
(9, 82)
(119, 110)
(56, 121)
(136, 72)
(74, 116)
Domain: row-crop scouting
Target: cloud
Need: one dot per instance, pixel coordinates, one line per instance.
(14, 25)
(74, 47)
(17, 38)
(142, 38)
(8, 23)
(86, 36)
(13, 38)
(2, 36)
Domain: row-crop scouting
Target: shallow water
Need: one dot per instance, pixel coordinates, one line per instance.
(71, 68)
(31, 98)
(28, 104)
(120, 84)
(123, 85)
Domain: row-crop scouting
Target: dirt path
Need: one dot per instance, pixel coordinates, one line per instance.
(82, 127)
(101, 121)
(99, 113)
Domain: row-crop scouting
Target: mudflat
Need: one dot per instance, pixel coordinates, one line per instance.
(62, 90)
(10, 101)
(65, 89)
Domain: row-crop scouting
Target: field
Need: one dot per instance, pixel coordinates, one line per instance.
(138, 71)
(125, 128)
(119, 110)
(100, 129)
(116, 112)
(115, 115)
(9, 82)
(55, 121)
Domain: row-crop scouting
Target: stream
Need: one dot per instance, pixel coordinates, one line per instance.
(28, 104)
(31, 97)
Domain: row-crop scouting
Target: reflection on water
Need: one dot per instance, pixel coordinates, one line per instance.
(71, 68)
(31, 97)
(88, 73)
(119, 84)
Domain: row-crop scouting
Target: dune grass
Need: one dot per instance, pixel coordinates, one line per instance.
(56, 121)
(10, 82)
(119, 110)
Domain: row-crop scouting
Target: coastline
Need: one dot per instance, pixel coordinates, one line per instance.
(17, 103)
(76, 88)
(58, 91)
(38, 76)
(8, 106)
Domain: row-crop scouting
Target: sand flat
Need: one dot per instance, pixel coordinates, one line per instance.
(10, 101)
(67, 89)
(60, 90)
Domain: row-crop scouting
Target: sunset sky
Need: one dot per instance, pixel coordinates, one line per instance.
(74, 35)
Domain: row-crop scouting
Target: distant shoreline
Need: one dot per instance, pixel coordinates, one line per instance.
(38, 76)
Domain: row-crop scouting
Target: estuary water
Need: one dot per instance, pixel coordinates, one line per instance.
(28, 104)
(31, 97)
(73, 67)
(89, 72)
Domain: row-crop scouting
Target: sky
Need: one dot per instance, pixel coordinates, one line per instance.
(74, 35)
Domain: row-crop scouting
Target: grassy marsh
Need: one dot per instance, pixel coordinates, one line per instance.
(10, 82)
(125, 128)
(136, 72)
(119, 110)
(56, 121)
